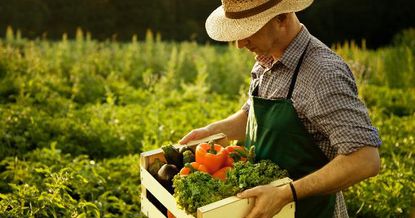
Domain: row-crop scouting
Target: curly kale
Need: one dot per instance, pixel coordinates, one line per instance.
(247, 175)
(196, 190)
(200, 189)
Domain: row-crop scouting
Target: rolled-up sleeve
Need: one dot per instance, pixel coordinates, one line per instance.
(337, 112)
(246, 106)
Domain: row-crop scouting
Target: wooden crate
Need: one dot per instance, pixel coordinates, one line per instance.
(231, 207)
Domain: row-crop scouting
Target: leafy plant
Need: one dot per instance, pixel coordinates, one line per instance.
(74, 114)
(50, 184)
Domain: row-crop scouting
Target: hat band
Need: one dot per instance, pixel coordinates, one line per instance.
(252, 11)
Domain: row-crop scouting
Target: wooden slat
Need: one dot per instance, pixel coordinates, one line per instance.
(148, 209)
(288, 211)
(241, 208)
(237, 207)
(209, 138)
(146, 161)
(281, 182)
(161, 194)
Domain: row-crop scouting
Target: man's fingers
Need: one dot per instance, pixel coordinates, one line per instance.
(253, 192)
(187, 138)
(194, 135)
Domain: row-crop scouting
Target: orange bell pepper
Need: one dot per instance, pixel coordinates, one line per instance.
(191, 167)
(211, 155)
(221, 174)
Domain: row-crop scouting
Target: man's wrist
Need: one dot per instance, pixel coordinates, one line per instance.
(288, 197)
(293, 192)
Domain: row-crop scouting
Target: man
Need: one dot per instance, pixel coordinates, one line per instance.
(303, 112)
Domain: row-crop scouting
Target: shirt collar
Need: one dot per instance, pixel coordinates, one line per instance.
(291, 54)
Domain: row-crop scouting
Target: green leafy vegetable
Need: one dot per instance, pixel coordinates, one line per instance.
(246, 175)
(188, 157)
(196, 190)
(199, 189)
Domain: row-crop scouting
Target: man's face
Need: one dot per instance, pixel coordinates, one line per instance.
(265, 41)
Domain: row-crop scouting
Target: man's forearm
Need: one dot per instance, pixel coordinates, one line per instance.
(340, 173)
(233, 127)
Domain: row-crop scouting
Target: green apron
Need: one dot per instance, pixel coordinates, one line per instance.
(279, 135)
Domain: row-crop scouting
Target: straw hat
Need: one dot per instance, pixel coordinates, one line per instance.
(239, 19)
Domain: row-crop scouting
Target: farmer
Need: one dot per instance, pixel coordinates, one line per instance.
(303, 110)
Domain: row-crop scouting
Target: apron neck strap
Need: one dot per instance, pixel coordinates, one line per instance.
(297, 69)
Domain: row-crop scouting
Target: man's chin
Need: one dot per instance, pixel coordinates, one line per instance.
(259, 53)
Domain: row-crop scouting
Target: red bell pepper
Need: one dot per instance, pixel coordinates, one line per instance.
(235, 154)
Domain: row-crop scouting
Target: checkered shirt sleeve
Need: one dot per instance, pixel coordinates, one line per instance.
(335, 109)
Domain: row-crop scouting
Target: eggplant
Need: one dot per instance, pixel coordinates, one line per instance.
(165, 176)
(172, 155)
(185, 148)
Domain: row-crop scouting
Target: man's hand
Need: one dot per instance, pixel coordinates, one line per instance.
(233, 127)
(269, 200)
(197, 134)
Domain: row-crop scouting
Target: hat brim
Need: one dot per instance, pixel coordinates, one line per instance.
(221, 28)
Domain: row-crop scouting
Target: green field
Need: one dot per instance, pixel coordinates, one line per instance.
(75, 114)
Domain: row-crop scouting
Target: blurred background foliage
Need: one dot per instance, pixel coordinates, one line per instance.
(78, 105)
(330, 20)
(75, 114)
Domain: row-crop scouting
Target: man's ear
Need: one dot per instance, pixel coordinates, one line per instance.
(281, 18)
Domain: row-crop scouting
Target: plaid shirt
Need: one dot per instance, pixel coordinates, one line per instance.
(325, 98)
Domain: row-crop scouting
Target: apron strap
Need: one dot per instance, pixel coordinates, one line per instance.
(297, 69)
(256, 88)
